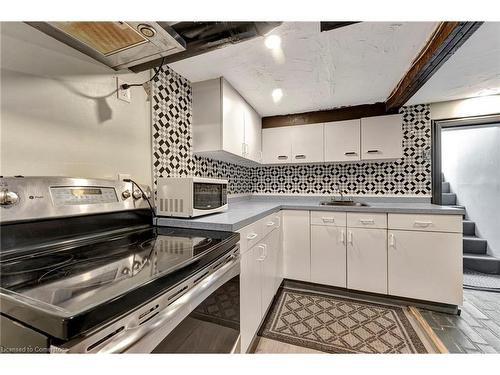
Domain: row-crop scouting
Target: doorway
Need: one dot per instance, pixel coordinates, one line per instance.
(466, 174)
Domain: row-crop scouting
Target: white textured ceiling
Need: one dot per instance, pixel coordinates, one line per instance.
(473, 70)
(357, 64)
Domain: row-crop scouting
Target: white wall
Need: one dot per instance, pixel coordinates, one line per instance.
(471, 163)
(478, 106)
(60, 114)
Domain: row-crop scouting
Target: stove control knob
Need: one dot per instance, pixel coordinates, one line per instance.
(126, 194)
(137, 194)
(8, 198)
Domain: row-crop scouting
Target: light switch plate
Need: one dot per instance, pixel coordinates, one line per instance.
(121, 93)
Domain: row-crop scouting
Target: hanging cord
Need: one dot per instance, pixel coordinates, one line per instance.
(126, 86)
(143, 194)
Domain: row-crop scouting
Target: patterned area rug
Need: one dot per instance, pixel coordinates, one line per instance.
(481, 281)
(340, 325)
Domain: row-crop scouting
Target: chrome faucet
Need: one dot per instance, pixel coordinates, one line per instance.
(340, 192)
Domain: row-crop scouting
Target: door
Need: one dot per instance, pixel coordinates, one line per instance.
(250, 296)
(296, 245)
(307, 143)
(426, 266)
(342, 140)
(382, 137)
(328, 255)
(276, 146)
(233, 126)
(253, 134)
(367, 260)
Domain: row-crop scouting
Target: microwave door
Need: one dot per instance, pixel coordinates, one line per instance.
(208, 196)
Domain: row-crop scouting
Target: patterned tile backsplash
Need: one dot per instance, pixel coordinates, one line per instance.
(172, 155)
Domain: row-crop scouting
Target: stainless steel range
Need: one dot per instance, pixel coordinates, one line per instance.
(83, 270)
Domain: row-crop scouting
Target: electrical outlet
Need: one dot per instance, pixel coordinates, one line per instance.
(123, 176)
(121, 93)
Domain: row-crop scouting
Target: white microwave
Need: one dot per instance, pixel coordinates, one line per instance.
(190, 196)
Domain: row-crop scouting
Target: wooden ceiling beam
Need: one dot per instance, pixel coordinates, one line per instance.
(336, 114)
(444, 42)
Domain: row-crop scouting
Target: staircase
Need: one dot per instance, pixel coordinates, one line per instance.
(474, 248)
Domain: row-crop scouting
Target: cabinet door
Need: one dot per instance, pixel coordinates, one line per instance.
(269, 270)
(426, 266)
(296, 245)
(382, 137)
(276, 146)
(253, 134)
(250, 296)
(233, 126)
(342, 140)
(367, 260)
(307, 143)
(328, 255)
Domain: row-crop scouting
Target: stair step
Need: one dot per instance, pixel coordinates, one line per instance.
(448, 199)
(445, 187)
(469, 228)
(474, 245)
(482, 263)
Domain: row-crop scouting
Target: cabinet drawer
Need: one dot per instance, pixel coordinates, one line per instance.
(336, 219)
(366, 220)
(250, 235)
(427, 223)
(269, 223)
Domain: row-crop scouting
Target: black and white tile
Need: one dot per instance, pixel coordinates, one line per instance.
(172, 137)
(172, 155)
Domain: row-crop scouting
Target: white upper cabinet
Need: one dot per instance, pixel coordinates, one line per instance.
(293, 144)
(225, 126)
(276, 146)
(307, 143)
(342, 140)
(253, 134)
(233, 120)
(382, 137)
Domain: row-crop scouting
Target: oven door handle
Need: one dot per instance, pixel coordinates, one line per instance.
(174, 313)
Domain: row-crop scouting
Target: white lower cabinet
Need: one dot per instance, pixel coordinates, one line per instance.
(296, 245)
(426, 266)
(367, 260)
(260, 277)
(250, 296)
(328, 255)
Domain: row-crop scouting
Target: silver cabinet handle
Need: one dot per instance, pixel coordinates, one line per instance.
(328, 219)
(263, 255)
(392, 240)
(367, 221)
(131, 336)
(350, 153)
(282, 157)
(300, 156)
(342, 235)
(251, 236)
(422, 223)
(350, 238)
(270, 223)
(372, 151)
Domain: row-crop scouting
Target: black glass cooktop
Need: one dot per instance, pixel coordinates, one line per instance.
(73, 278)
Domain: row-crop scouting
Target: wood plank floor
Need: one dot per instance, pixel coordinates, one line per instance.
(476, 330)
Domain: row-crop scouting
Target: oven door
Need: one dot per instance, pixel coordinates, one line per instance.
(201, 315)
(208, 196)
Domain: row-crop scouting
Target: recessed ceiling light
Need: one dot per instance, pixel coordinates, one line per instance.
(272, 41)
(277, 94)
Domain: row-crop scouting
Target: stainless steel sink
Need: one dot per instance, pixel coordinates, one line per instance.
(344, 203)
